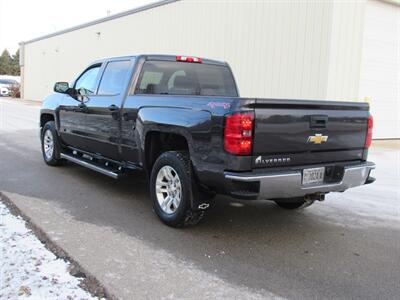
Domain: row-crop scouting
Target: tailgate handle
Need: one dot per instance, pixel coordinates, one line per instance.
(318, 121)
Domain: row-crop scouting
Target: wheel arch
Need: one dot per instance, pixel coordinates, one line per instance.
(181, 125)
(45, 117)
(158, 141)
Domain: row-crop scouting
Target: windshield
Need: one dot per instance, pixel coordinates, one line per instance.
(5, 81)
(182, 78)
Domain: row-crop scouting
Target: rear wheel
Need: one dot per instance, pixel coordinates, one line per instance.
(51, 148)
(171, 189)
(294, 203)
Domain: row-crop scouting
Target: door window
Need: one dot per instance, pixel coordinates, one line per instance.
(114, 78)
(86, 84)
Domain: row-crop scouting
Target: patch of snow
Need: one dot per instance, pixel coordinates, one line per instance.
(27, 269)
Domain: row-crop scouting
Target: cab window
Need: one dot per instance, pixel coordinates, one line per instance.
(181, 78)
(149, 80)
(114, 77)
(86, 83)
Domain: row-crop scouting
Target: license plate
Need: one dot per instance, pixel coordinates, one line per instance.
(312, 176)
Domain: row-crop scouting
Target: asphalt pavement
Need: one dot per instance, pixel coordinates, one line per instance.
(345, 247)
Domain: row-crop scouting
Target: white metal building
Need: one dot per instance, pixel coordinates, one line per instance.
(380, 67)
(322, 49)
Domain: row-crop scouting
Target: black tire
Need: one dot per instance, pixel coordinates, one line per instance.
(183, 215)
(294, 203)
(55, 158)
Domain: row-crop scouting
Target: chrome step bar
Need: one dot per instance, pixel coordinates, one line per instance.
(91, 166)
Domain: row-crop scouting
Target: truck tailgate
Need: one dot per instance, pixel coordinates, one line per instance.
(296, 132)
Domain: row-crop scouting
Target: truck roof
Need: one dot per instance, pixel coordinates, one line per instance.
(161, 57)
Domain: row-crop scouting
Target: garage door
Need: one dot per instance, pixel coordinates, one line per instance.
(380, 67)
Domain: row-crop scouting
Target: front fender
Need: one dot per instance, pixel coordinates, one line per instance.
(50, 106)
(52, 101)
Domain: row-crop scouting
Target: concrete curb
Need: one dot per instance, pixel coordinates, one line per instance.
(90, 283)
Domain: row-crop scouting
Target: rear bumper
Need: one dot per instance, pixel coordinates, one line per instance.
(288, 184)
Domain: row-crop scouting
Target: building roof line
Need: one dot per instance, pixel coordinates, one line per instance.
(127, 13)
(394, 2)
(102, 20)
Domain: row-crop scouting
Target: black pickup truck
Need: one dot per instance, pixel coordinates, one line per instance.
(180, 120)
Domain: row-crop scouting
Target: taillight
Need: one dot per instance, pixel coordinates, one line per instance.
(368, 139)
(189, 59)
(238, 133)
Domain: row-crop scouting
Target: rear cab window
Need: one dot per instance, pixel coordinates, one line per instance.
(183, 78)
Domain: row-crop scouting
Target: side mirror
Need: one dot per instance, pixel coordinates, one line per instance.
(61, 87)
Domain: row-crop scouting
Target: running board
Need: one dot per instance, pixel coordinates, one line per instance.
(90, 165)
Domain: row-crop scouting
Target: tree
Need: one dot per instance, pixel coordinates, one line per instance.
(9, 65)
(5, 63)
(15, 69)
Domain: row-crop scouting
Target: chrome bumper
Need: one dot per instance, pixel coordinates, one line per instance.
(289, 184)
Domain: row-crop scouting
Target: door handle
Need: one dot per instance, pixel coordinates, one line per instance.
(128, 116)
(82, 108)
(113, 107)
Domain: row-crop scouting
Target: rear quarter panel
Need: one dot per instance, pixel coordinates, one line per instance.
(199, 119)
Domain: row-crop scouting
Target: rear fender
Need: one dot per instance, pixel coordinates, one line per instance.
(194, 126)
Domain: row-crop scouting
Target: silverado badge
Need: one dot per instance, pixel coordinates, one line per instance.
(275, 160)
(318, 138)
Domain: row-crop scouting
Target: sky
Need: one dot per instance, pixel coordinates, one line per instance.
(22, 20)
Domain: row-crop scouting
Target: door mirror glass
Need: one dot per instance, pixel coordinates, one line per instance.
(61, 87)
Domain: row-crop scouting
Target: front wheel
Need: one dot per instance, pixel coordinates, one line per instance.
(171, 189)
(51, 148)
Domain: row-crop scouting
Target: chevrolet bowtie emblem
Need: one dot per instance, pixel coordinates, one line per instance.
(318, 138)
